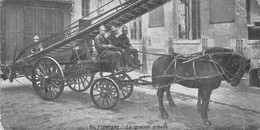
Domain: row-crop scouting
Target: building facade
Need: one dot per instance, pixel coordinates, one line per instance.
(182, 26)
(189, 26)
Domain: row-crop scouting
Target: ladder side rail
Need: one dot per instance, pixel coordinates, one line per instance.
(95, 25)
(60, 34)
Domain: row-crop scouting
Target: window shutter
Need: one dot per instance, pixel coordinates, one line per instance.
(156, 17)
(222, 11)
(85, 7)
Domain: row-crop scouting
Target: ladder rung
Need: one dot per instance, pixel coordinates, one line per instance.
(143, 6)
(123, 18)
(74, 42)
(65, 47)
(129, 14)
(117, 21)
(54, 52)
(150, 2)
(136, 10)
(60, 49)
(78, 40)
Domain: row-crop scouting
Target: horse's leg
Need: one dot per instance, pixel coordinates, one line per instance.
(169, 97)
(205, 103)
(160, 93)
(199, 109)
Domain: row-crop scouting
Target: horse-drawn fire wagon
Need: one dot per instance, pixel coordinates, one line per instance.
(58, 63)
(52, 67)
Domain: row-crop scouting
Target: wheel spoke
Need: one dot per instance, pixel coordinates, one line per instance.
(99, 98)
(97, 94)
(39, 73)
(107, 101)
(78, 84)
(82, 82)
(55, 86)
(123, 92)
(49, 86)
(54, 90)
(103, 101)
(86, 79)
(41, 68)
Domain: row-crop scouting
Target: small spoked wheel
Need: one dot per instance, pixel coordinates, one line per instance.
(82, 83)
(126, 88)
(47, 78)
(104, 93)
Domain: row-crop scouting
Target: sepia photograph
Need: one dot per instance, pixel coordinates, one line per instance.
(130, 64)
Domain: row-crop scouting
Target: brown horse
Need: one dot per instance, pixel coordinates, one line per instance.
(204, 71)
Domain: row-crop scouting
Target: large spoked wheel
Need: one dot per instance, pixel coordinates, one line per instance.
(81, 84)
(47, 78)
(125, 87)
(104, 93)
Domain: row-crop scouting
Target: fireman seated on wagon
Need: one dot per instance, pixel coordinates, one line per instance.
(36, 48)
(106, 46)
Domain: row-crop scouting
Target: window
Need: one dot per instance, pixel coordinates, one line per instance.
(239, 46)
(85, 8)
(136, 29)
(100, 4)
(222, 11)
(253, 19)
(156, 17)
(188, 19)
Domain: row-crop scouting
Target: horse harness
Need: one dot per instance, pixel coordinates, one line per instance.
(222, 72)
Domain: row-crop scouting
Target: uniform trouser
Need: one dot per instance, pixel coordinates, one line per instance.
(125, 57)
(113, 56)
(133, 52)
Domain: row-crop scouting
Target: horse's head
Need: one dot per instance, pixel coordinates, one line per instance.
(237, 66)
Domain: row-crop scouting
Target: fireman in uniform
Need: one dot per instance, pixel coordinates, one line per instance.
(113, 40)
(103, 47)
(125, 44)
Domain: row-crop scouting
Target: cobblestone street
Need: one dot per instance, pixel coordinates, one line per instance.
(230, 107)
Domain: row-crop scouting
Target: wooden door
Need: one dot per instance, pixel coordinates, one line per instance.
(41, 21)
(23, 22)
(13, 30)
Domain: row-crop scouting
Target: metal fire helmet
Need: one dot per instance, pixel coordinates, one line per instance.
(113, 28)
(102, 28)
(36, 38)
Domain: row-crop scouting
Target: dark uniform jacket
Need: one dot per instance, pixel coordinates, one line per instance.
(124, 41)
(113, 40)
(101, 43)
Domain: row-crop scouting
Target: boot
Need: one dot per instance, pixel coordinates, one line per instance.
(131, 63)
(137, 61)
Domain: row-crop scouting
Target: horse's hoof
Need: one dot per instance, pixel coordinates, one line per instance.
(165, 115)
(207, 122)
(172, 104)
(199, 110)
